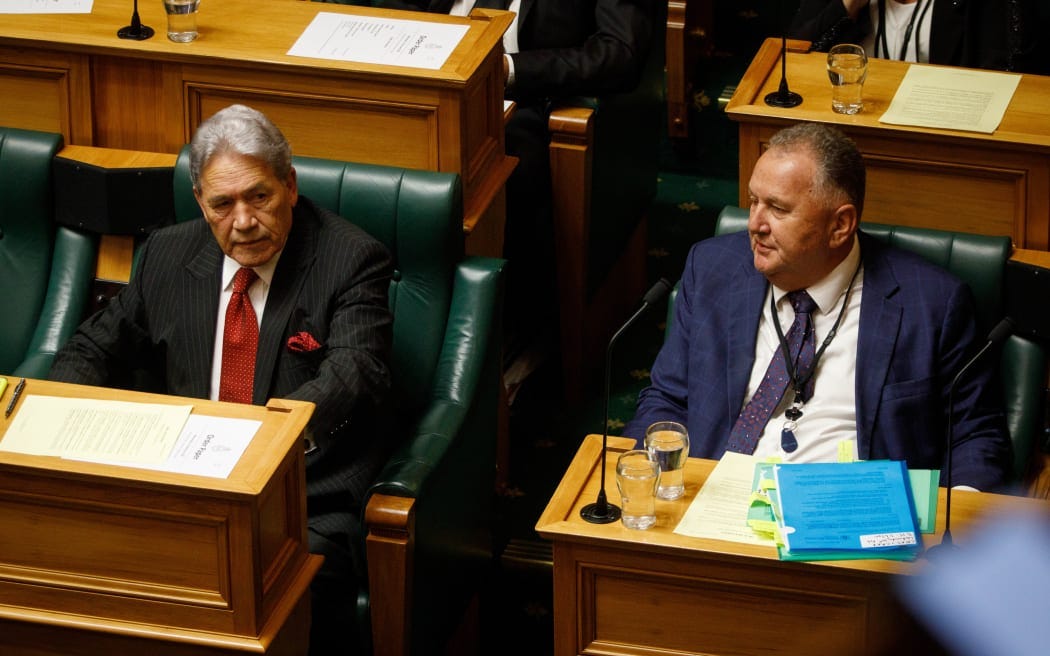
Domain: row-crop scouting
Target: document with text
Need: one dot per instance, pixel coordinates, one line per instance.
(95, 429)
(720, 509)
(45, 6)
(371, 40)
(952, 98)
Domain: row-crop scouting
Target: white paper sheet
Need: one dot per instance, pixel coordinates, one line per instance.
(951, 98)
(209, 446)
(370, 40)
(46, 6)
(95, 429)
(719, 510)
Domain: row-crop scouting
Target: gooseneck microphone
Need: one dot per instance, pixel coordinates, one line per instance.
(136, 31)
(997, 336)
(601, 511)
(783, 96)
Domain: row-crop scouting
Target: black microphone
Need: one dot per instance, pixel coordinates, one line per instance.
(601, 511)
(136, 31)
(783, 97)
(997, 336)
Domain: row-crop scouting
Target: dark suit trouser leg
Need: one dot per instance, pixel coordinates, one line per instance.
(333, 599)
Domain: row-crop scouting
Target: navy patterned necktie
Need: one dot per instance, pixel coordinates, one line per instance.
(802, 345)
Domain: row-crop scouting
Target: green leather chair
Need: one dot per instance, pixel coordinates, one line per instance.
(605, 153)
(980, 261)
(47, 269)
(429, 512)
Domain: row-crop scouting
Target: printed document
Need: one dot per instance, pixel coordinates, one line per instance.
(153, 436)
(370, 40)
(719, 510)
(95, 429)
(45, 6)
(952, 98)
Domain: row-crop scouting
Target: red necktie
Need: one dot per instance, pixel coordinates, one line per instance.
(753, 418)
(240, 339)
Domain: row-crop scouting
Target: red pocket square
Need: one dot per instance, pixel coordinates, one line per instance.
(303, 342)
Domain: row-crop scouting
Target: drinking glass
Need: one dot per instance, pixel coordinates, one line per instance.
(668, 444)
(182, 19)
(636, 476)
(847, 69)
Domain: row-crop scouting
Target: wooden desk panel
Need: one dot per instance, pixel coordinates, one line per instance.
(996, 184)
(73, 75)
(621, 592)
(111, 556)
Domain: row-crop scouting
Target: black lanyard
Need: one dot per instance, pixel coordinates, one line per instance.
(798, 383)
(881, 33)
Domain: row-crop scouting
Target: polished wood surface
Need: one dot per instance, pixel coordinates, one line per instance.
(104, 559)
(689, 25)
(619, 591)
(71, 74)
(996, 184)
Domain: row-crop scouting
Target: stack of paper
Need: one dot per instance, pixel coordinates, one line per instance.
(838, 511)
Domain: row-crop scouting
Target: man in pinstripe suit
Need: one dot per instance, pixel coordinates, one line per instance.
(324, 330)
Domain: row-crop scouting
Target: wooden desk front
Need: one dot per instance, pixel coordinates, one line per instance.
(102, 559)
(71, 74)
(997, 184)
(623, 592)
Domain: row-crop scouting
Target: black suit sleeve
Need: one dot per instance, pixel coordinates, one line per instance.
(605, 56)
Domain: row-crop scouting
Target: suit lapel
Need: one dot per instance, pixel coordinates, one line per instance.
(880, 319)
(287, 281)
(205, 274)
(745, 309)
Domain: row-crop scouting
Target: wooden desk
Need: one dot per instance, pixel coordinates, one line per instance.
(102, 560)
(997, 184)
(71, 74)
(624, 592)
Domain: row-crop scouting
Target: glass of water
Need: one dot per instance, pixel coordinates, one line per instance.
(182, 19)
(636, 476)
(847, 70)
(668, 444)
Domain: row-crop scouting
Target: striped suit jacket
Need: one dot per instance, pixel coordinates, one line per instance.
(331, 281)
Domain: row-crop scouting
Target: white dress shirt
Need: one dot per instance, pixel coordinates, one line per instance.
(257, 293)
(829, 417)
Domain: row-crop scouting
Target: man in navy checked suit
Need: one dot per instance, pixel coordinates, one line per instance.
(881, 387)
(324, 332)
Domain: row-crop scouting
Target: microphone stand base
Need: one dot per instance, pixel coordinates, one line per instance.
(783, 99)
(595, 513)
(135, 33)
(938, 551)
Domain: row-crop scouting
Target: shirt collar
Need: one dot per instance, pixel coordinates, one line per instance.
(230, 268)
(827, 291)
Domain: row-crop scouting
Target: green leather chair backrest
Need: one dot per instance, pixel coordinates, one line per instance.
(980, 261)
(47, 270)
(418, 216)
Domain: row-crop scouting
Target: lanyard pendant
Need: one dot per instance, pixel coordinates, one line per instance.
(788, 441)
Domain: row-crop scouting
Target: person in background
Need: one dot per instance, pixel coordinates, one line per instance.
(992, 34)
(873, 335)
(554, 49)
(268, 295)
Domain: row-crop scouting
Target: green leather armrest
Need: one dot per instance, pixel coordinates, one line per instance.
(469, 352)
(72, 270)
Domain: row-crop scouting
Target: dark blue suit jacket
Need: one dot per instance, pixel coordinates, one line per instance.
(917, 329)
